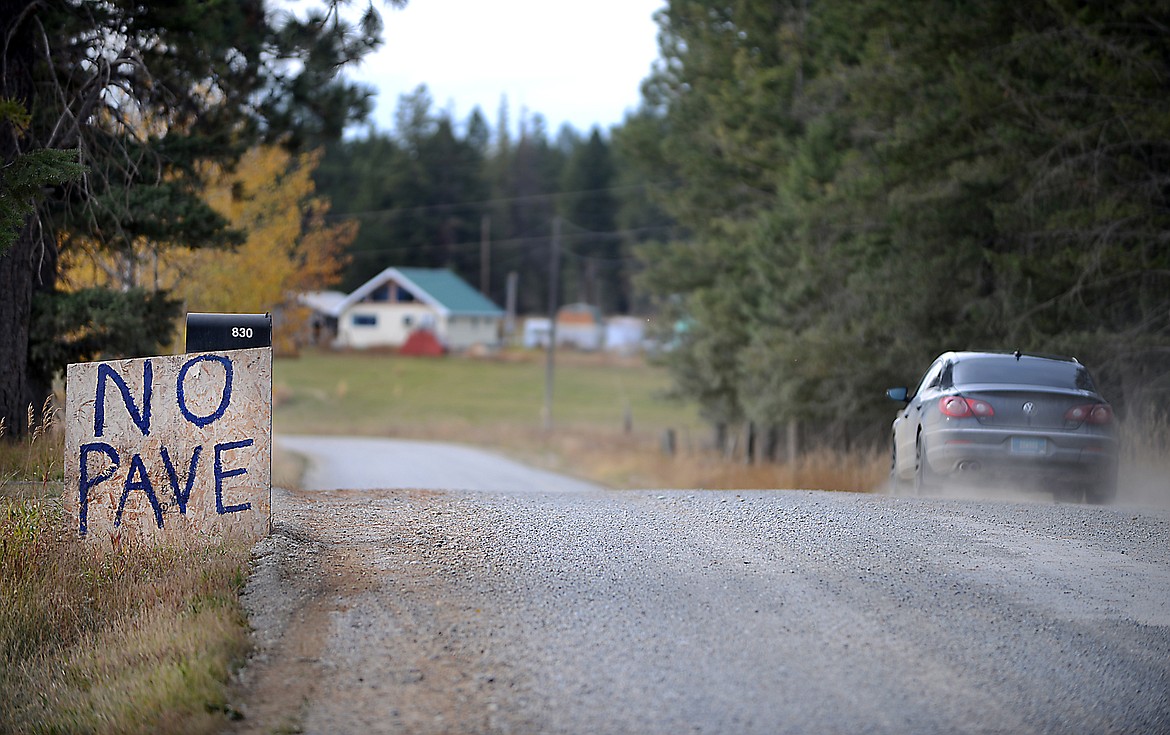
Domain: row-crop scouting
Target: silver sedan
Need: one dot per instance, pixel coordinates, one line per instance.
(1028, 421)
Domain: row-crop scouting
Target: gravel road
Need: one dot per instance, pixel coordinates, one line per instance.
(357, 463)
(544, 605)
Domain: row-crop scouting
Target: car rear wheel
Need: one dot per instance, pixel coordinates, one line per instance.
(895, 480)
(1105, 491)
(1074, 494)
(923, 477)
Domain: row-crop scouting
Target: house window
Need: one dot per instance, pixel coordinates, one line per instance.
(365, 320)
(402, 296)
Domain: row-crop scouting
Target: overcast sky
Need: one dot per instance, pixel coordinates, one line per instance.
(574, 61)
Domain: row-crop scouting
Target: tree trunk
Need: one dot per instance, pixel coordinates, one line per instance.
(17, 264)
(721, 437)
(771, 442)
(16, 288)
(749, 443)
(793, 448)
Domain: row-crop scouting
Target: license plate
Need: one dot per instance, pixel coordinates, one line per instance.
(1029, 445)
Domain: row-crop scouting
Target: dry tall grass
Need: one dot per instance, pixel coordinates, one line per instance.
(635, 460)
(133, 640)
(623, 461)
(31, 464)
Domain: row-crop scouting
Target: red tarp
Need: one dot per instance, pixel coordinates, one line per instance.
(423, 343)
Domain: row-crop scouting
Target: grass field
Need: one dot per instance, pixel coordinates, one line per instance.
(376, 394)
(497, 402)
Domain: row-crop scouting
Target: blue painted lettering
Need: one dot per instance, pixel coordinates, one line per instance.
(225, 399)
(143, 484)
(141, 418)
(86, 481)
(184, 494)
(221, 474)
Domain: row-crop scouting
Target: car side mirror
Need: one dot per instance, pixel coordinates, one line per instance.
(897, 394)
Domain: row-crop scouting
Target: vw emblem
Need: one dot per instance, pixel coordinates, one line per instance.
(1029, 408)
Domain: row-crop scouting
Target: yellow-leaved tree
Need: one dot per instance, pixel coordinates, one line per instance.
(288, 249)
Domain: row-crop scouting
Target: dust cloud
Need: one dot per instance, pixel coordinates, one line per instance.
(1138, 485)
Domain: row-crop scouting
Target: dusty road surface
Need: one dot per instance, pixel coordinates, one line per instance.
(538, 608)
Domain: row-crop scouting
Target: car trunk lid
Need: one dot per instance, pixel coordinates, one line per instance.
(1034, 408)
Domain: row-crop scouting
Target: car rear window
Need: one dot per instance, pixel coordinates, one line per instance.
(1026, 371)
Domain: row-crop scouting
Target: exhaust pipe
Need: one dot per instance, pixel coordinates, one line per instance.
(968, 465)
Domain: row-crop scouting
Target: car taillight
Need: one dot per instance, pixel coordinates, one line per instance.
(1092, 413)
(958, 407)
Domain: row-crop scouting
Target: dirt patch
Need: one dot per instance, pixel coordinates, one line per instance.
(357, 628)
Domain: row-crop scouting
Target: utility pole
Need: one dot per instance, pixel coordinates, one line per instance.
(554, 277)
(485, 255)
(510, 301)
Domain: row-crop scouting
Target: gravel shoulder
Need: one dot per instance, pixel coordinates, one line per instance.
(531, 610)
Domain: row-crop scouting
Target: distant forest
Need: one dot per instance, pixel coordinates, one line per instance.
(481, 199)
(817, 198)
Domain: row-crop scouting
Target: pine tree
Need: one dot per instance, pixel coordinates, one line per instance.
(141, 92)
(593, 250)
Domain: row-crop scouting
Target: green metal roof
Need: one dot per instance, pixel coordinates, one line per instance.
(439, 288)
(448, 290)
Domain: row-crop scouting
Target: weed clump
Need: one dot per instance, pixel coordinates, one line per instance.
(137, 638)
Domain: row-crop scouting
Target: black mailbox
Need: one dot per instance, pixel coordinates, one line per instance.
(219, 332)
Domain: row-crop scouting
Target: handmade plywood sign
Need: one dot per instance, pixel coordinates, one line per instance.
(166, 445)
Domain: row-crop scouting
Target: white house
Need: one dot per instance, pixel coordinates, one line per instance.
(385, 310)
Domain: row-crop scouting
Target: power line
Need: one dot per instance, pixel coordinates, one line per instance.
(530, 242)
(488, 202)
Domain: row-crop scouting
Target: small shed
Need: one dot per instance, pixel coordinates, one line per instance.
(536, 331)
(580, 326)
(625, 335)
